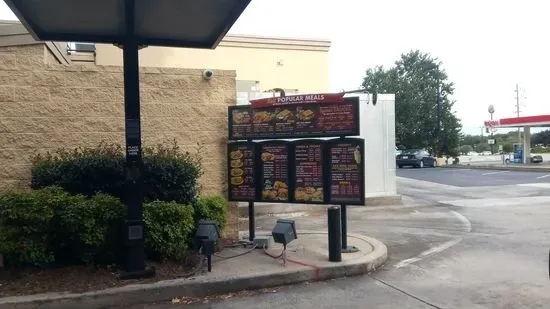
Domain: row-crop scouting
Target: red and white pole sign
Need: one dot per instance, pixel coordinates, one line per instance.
(319, 98)
(492, 123)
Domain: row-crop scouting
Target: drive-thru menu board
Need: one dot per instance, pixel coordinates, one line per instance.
(309, 171)
(274, 169)
(242, 184)
(297, 121)
(346, 178)
(302, 171)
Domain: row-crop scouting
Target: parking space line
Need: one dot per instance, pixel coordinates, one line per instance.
(543, 176)
(493, 173)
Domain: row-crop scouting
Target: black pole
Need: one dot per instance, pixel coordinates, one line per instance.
(251, 222)
(135, 253)
(345, 247)
(209, 263)
(334, 234)
(344, 216)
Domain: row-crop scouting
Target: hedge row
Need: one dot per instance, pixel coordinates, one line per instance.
(169, 174)
(52, 227)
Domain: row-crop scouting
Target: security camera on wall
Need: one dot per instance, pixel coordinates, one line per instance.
(207, 74)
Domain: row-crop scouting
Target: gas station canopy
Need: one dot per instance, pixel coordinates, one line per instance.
(184, 23)
(519, 122)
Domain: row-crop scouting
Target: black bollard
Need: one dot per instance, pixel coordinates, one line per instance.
(334, 234)
(251, 222)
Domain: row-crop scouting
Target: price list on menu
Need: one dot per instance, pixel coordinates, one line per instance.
(346, 175)
(275, 170)
(241, 122)
(309, 172)
(241, 172)
(337, 117)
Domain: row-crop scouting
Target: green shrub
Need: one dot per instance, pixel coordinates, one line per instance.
(50, 226)
(169, 174)
(82, 171)
(540, 150)
(24, 226)
(169, 230)
(87, 230)
(212, 208)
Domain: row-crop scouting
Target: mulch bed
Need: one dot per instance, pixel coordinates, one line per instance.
(78, 279)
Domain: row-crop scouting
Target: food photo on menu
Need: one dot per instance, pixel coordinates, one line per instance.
(237, 165)
(274, 187)
(241, 116)
(309, 194)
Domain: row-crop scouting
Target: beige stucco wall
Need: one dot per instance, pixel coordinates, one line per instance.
(305, 69)
(44, 106)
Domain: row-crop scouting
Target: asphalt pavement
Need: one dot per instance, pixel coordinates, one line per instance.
(459, 242)
(474, 177)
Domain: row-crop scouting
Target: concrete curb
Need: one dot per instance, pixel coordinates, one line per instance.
(202, 286)
(502, 168)
(264, 209)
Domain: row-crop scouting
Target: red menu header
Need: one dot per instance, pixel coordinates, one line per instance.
(298, 99)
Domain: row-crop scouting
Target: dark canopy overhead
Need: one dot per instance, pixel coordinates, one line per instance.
(184, 23)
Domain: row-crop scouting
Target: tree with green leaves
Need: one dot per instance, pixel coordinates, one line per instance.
(415, 80)
(508, 147)
(465, 149)
(482, 147)
(541, 138)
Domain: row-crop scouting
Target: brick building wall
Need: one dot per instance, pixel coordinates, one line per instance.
(45, 106)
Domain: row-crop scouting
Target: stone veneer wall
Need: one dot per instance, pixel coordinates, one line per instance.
(44, 106)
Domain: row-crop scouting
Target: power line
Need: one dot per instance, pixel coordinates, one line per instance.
(517, 91)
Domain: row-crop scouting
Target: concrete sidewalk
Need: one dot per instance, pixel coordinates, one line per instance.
(307, 260)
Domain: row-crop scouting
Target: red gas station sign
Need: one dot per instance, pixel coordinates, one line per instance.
(492, 123)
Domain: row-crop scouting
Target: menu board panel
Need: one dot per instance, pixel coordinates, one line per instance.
(296, 121)
(346, 171)
(309, 172)
(241, 171)
(274, 164)
(240, 122)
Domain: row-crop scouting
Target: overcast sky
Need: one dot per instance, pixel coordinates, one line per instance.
(486, 46)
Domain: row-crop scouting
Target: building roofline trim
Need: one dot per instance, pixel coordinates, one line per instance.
(13, 33)
(251, 40)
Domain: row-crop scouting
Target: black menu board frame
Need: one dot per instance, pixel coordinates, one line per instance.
(230, 148)
(291, 176)
(355, 142)
(249, 111)
(324, 170)
(277, 186)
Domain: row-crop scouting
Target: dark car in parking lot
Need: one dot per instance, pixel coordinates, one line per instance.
(418, 158)
(536, 159)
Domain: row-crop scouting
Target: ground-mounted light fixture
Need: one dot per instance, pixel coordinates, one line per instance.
(283, 233)
(206, 238)
(131, 25)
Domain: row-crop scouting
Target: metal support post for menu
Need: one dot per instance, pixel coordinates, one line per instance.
(251, 222)
(251, 219)
(135, 253)
(344, 216)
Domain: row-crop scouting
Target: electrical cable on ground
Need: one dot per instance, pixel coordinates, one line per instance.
(194, 270)
(236, 255)
(283, 254)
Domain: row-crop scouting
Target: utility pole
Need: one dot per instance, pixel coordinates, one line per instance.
(517, 111)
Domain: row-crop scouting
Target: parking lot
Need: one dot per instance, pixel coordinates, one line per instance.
(476, 177)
